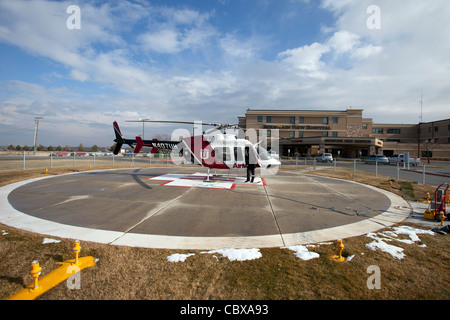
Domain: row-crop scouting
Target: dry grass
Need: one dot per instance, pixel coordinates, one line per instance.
(134, 273)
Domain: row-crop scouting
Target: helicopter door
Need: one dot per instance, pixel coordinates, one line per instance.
(250, 156)
(239, 157)
(223, 155)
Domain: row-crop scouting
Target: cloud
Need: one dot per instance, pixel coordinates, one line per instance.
(173, 30)
(78, 75)
(306, 58)
(343, 41)
(132, 59)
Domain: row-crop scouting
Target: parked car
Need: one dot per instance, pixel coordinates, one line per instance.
(59, 154)
(274, 155)
(97, 154)
(377, 158)
(400, 158)
(325, 157)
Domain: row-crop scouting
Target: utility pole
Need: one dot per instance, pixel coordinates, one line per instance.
(36, 121)
(419, 131)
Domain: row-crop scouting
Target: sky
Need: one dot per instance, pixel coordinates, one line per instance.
(210, 60)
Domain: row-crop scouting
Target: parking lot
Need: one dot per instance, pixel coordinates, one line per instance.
(434, 173)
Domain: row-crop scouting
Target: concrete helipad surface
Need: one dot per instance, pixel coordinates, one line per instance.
(174, 208)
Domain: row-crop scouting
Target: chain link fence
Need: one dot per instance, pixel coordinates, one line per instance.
(46, 160)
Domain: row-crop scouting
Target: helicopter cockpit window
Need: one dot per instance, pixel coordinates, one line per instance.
(222, 154)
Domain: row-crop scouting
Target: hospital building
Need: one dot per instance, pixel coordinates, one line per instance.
(346, 134)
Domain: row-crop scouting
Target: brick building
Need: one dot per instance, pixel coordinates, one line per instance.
(346, 133)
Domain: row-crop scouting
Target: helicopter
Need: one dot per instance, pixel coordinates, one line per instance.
(212, 149)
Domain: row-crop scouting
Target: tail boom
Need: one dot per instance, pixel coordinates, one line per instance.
(138, 143)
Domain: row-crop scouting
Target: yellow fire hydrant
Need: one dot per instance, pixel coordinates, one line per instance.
(442, 216)
(340, 246)
(77, 249)
(35, 273)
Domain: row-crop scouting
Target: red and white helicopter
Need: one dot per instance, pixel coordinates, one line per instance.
(212, 149)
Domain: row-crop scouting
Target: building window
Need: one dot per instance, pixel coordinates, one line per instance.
(377, 130)
(325, 120)
(292, 119)
(269, 133)
(393, 131)
(364, 126)
(325, 134)
(302, 120)
(291, 134)
(335, 119)
(335, 134)
(260, 118)
(268, 119)
(436, 129)
(300, 134)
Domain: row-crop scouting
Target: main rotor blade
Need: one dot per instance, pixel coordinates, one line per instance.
(190, 122)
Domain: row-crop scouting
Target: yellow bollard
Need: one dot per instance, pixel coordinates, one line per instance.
(46, 171)
(428, 199)
(340, 246)
(77, 249)
(390, 184)
(35, 273)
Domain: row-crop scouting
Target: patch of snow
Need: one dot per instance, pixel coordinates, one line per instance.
(381, 238)
(411, 232)
(389, 234)
(394, 251)
(303, 253)
(177, 257)
(48, 240)
(238, 254)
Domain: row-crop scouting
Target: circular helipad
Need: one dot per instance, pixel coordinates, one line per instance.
(175, 208)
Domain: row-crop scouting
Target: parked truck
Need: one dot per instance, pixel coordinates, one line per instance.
(400, 158)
